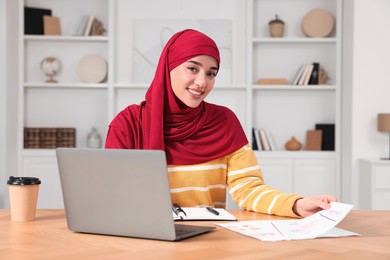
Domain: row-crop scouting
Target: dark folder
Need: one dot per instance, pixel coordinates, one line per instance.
(328, 136)
(33, 20)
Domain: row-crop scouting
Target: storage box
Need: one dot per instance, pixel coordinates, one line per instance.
(49, 138)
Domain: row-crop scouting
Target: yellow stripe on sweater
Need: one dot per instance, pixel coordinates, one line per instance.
(218, 186)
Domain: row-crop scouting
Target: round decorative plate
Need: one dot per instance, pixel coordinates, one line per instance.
(318, 23)
(92, 69)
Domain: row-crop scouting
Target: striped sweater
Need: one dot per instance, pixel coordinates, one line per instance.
(205, 184)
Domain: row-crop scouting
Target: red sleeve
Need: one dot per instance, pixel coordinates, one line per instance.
(115, 139)
(123, 131)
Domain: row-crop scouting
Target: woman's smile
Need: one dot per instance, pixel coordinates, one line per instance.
(195, 92)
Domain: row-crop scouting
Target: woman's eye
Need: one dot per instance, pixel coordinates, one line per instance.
(193, 69)
(212, 74)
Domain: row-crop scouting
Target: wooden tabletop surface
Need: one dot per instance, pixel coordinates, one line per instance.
(49, 238)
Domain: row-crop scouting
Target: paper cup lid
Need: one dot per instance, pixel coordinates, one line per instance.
(23, 180)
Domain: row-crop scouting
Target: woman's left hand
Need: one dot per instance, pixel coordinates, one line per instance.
(309, 205)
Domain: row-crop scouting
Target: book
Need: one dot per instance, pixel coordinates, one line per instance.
(97, 28)
(328, 136)
(33, 20)
(313, 140)
(81, 26)
(271, 141)
(304, 74)
(201, 213)
(299, 75)
(272, 81)
(255, 146)
(51, 25)
(308, 74)
(46, 137)
(323, 77)
(76, 31)
(258, 140)
(88, 28)
(314, 78)
(264, 140)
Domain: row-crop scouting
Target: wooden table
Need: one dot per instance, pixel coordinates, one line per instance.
(48, 238)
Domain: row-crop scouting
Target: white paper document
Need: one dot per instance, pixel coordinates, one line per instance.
(320, 224)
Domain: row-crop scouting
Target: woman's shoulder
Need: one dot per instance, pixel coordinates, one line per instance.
(128, 114)
(220, 110)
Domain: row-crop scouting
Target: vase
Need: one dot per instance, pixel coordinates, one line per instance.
(293, 145)
(276, 27)
(94, 140)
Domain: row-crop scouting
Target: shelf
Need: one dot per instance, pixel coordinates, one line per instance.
(39, 152)
(131, 85)
(144, 85)
(66, 38)
(260, 154)
(227, 87)
(295, 87)
(65, 85)
(293, 40)
(291, 110)
(296, 154)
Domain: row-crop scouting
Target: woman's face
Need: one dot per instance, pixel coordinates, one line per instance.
(193, 80)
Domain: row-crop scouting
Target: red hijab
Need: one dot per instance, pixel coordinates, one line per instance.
(163, 122)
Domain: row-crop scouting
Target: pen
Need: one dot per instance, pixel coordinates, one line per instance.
(213, 211)
(177, 209)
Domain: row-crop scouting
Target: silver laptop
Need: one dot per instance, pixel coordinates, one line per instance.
(119, 192)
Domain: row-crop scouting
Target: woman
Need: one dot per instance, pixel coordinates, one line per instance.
(205, 145)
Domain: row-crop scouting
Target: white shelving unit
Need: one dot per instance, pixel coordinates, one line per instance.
(285, 110)
(68, 103)
(290, 110)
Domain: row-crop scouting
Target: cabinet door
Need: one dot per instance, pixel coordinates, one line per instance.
(381, 192)
(365, 185)
(315, 177)
(45, 168)
(277, 173)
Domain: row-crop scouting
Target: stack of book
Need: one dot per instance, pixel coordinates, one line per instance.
(262, 140)
(89, 25)
(310, 74)
(46, 138)
(33, 20)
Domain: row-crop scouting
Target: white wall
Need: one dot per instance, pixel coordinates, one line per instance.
(3, 95)
(367, 86)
